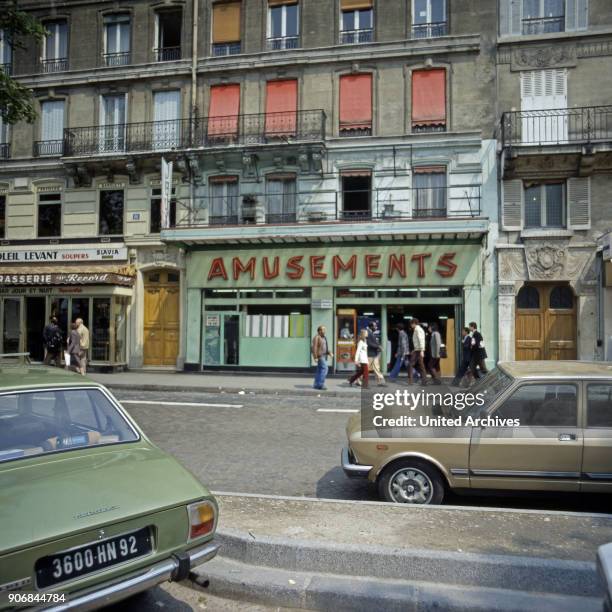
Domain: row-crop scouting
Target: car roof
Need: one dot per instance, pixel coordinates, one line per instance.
(558, 369)
(28, 377)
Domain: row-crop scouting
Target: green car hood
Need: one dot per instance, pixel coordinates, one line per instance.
(47, 497)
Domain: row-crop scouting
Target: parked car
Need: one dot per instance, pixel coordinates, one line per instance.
(89, 507)
(563, 442)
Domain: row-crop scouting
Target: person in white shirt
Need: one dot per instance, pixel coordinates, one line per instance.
(418, 352)
(361, 361)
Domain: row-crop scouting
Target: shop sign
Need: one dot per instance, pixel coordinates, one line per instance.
(44, 255)
(72, 278)
(212, 320)
(322, 304)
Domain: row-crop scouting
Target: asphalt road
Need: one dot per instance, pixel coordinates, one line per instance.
(282, 445)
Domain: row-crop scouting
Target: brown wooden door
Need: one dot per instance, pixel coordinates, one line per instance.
(545, 323)
(161, 318)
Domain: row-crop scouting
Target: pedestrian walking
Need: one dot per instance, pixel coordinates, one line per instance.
(479, 353)
(361, 361)
(320, 353)
(401, 353)
(466, 357)
(84, 342)
(52, 340)
(416, 357)
(435, 343)
(374, 351)
(74, 349)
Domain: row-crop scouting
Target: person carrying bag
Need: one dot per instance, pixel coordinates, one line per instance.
(361, 361)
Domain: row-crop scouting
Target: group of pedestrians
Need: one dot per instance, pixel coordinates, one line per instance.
(473, 355)
(72, 355)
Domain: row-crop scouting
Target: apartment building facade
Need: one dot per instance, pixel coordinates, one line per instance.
(554, 83)
(335, 164)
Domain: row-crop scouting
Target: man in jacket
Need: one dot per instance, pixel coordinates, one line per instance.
(52, 339)
(479, 353)
(401, 353)
(417, 355)
(435, 343)
(466, 356)
(84, 342)
(320, 352)
(374, 351)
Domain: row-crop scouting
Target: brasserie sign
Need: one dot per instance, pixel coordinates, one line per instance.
(71, 278)
(52, 255)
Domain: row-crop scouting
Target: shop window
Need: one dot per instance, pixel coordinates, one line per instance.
(277, 322)
(430, 192)
(117, 39)
(100, 337)
(562, 298)
(223, 201)
(528, 298)
(543, 16)
(11, 337)
(120, 313)
(355, 105)
(155, 224)
(292, 293)
(353, 293)
(49, 215)
(357, 22)
(250, 294)
(169, 24)
(281, 199)
(227, 294)
(111, 213)
(429, 18)
(283, 24)
(545, 205)
(55, 46)
(2, 216)
(429, 100)
(599, 401)
(80, 310)
(226, 28)
(356, 195)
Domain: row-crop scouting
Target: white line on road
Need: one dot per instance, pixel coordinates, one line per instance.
(155, 403)
(342, 410)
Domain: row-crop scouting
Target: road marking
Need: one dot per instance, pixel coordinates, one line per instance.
(154, 403)
(342, 410)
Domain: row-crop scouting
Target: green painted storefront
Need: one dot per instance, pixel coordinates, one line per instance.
(258, 307)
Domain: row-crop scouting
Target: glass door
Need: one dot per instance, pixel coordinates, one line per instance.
(11, 338)
(35, 323)
(221, 338)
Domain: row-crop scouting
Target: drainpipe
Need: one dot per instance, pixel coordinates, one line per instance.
(194, 91)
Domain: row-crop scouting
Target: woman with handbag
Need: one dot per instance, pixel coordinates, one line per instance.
(361, 361)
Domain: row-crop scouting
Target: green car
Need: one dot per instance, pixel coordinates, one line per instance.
(91, 511)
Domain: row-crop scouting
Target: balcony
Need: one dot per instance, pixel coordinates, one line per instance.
(222, 49)
(5, 150)
(430, 30)
(50, 66)
(48, 148)
(543, 25)
(355, 37)
(203, 132)
(167, 54)
(117, 59)
(7, 68)
(283, 43)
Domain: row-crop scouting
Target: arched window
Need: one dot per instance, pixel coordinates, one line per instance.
(528, 297)
(562, 298)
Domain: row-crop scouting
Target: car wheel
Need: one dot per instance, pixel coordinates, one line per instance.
(411, 481)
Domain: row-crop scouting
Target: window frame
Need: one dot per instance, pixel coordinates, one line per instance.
(283, 36)
(224, 180)
(59, 203)
(543, 206)
(157, 46)
(127, 19)
(157, 198)
(45, 46)
(429, 23)
(99, 206)
(541, 17)
(356, 29)
(3, 201)
(587, 385)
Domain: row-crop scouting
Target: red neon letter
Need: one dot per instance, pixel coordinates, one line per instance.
(420, 257)
(397, 264)
(293, 263)
(371, 264)
(316, 265)
(339, 266)
(445, 261)
(268, 274)
(217, 269)
(239, 268)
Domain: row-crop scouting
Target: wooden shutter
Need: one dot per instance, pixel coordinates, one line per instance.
(512, 205)
(224, 109)
(510, 16)
(356, 101)
(579, 203)
(226, 22)
(354, 5)
(281, 2)
(429, 97)
(576, 14)
(281, 107)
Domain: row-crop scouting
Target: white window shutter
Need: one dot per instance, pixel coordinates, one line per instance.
(505, 17)
(582, 14)
(516, 17)
(52, 127)
(512, 205)
(579, 203)
(570, 14)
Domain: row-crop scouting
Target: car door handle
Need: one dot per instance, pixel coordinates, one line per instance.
(567, 437)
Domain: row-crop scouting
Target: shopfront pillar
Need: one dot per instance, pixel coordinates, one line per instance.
(506, 322)
(587, 322)
(322, 313)
(194, 326)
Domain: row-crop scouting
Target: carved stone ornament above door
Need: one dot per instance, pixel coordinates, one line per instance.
(551, 56)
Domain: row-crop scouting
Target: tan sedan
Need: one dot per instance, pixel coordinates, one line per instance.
(563, 440)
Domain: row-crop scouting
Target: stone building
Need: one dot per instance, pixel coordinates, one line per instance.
(554, 84)
(335, 163)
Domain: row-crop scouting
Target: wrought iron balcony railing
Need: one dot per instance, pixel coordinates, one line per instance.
(562, 126)
(544, 25)
(430, 30)
(221, 49)
(7, 68)
(5, 150)
(48, 148)
(354, 37)
(203, 132)
(117, 59)
(283, 42)
(59, 64)
(167, 54)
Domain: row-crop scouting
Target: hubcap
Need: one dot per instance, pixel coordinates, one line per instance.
(410, 486)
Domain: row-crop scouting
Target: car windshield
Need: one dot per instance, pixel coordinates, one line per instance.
(37, 422)
(490, 386)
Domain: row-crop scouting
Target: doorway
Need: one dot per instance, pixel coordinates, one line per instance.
(35, 323)
(161, 318)
(221, 338)
(545, 323)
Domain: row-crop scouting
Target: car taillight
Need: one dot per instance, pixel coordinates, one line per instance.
(201, 519)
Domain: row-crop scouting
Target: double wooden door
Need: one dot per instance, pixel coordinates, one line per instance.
(161, 318)
(545, 322)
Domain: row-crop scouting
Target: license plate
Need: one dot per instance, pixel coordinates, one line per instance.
(93, 557)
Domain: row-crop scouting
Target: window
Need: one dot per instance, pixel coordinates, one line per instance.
(156, 217)
(223, 208)
(223, 113)
(100, 344)
(4, 139)
(281, 108)
(113, 123)
(226, 28)
(599, 405)
(356, 194)
(6, 53)
(111, 212)
(429, 18)
(562, 298)
(429, 100)
(166, 117)
(429, 192)
(283, 24)
(2, 216)
(117, 40)
(543, 16)
(357, 21)
(280, 199)
(55, 47)
(49, 215)
(169, 25)
(545, 205)
(52, 128)
(542, 405)
(356, 105)
(528, 298)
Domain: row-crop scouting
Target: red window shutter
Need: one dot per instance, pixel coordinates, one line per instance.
(429, 97)
(355, 101)
(224, 110)
(281, 107)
